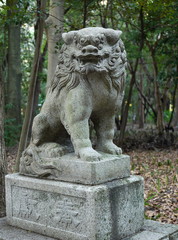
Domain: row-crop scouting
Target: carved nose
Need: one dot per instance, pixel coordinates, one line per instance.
(89, 49)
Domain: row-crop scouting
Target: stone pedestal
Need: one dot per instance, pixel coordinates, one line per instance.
(70, 211)
(70, 168)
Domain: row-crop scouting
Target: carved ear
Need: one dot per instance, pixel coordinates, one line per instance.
(112, 36)
(68, 37)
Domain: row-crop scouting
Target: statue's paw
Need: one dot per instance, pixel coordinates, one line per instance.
(27, 157)
(89, 154)
(110, 148)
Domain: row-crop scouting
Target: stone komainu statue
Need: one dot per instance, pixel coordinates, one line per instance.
(88, 85)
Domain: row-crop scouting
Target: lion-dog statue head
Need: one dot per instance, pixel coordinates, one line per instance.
(88, 85)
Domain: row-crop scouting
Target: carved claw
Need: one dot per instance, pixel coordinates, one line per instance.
(110, 148)
(89, 154)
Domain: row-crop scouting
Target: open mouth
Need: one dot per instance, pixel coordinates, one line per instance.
(90, 59)
(86, 59)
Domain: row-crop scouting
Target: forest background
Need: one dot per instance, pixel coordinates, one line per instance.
(146, 126)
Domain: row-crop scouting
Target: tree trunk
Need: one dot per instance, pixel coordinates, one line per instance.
(175, 118)
(103, 12)
(84, 13)
(160, 124)
(133, 79)
(33, 79)
(126, 110)
(146, 103)
(145, 69)
(54, 29)
(37, 88)
(140, 103)
(3, 167)
(159, 105)
(13, 94)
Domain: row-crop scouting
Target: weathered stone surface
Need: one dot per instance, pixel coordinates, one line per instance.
(88, 86)
(153, 230)
(8, 232)
(160, 227)
(174, 236)
(73, 211)
(69, 168)
(147, 235)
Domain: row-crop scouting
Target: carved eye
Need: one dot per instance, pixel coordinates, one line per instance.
(97, 41)
(100, 46)
(102, 39)
(82, 40)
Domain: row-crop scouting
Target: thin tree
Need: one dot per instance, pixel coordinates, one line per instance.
(133, 70)
(3, 167)
(140, 102)
(175, 119)
(175, 105)
(38, 82)
(33, 79)
(159, 105)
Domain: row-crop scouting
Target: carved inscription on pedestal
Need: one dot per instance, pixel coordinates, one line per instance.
(49, 209)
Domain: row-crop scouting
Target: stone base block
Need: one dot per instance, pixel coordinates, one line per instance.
(70, 168)
(8, 232)
(69, 211)
(152, 231)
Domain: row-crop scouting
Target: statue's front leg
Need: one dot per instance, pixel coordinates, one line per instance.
(105, 133)
(76, 123)
(80, 138)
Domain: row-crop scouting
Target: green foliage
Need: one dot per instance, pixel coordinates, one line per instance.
(11, 132)
(167, 115)
(150, 118)
(19, 13)
(160, 19)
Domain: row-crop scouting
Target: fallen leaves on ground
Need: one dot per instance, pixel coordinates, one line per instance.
(160, 172)
(11, 156)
